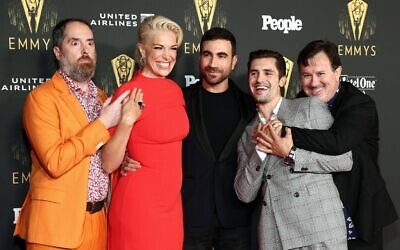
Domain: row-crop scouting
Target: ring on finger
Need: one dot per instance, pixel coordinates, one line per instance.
(141, 105)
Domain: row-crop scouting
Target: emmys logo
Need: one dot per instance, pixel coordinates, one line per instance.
(200, 18)
(357, 24)
(357, 11)
(289, 68)
(20, 178)
(364, 83)
(31, 17)
(20, 153)
(205, 11)
(33, 11)
(123, 67)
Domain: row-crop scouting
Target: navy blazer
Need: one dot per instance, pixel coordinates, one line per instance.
(356, 128)
(208, 179)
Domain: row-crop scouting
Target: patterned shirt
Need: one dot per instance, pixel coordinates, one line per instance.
(98, 178)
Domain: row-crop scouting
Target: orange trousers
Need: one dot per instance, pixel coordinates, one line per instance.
(94, 238)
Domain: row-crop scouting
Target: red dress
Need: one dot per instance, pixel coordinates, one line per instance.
(146, 208)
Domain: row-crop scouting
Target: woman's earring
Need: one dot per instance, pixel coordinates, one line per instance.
(142, 61)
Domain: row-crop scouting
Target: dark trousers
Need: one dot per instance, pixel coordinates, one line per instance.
(217, 238)
(374, 244)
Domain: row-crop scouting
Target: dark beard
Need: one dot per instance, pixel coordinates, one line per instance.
(80, 72)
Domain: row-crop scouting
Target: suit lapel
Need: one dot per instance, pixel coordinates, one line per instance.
(200, 129)
(198, 120)
(233, 140)
(70, 99)
(284, 112)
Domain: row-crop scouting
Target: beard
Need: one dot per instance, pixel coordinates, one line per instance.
(214, 80)
(261, 99)
(265, 97)
(79, 72)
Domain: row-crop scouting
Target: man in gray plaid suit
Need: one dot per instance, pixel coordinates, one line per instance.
(300, 204)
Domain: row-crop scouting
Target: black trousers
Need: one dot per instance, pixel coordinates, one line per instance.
(217, 238)
(375, 244)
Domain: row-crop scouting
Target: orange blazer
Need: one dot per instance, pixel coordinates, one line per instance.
(62, 141)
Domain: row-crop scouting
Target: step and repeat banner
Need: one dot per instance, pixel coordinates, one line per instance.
(365, 31)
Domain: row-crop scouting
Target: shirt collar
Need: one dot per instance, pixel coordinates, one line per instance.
(74, 87)
(274, 115)
(332, 100)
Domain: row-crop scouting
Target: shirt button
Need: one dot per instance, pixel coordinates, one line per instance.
(296, 194)
(268, 176)
(258, 168)
(264, 203)
(291, 170)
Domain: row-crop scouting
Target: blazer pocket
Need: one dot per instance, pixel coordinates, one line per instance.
(48, 194)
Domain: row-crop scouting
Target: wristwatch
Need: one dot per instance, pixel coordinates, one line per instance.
(289, 160)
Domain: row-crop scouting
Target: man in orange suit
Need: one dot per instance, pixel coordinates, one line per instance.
(66, 120)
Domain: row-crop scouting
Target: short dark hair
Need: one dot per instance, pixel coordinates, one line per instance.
(314, 47)
(217, 33)
(58, 34)
(265, 53)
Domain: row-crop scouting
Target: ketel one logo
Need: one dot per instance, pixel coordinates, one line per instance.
(289, 68)
(354, 26)
(32, 15)
(202, 18)
(123, 67)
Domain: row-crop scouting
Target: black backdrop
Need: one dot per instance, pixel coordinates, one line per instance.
(369, 54)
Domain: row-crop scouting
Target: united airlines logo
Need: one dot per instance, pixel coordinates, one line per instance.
(127, 20)
(123, 67)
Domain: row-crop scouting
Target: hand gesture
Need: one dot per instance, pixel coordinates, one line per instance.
(110, 114)
(129, 165)
(269, 139)
(132, 107)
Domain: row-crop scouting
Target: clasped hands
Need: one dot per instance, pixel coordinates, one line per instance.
(268, 138)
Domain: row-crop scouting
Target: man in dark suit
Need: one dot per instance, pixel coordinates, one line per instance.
(218, 112)
(362, 190)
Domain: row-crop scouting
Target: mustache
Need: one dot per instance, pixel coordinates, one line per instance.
(85, 57)
(212, 69)
(262, 84)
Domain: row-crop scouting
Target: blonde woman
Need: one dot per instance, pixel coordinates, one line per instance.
(146, 209)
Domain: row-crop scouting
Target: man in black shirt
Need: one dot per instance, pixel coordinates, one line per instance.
(218, 112)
